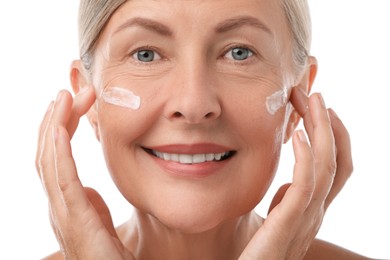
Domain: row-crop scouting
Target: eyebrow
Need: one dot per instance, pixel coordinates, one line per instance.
(148, 24)
(222, 27)
(240, 21)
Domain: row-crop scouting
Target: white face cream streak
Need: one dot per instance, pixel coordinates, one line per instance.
(279, 99)
(276, 101)
(121, 97)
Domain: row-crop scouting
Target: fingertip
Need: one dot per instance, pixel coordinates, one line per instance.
(320, 100)
(318, 113)
(299, 100)
(84, 99)
(300, 141)
(64, 99)
(333, 113)
(55, 133)
(86, 94)
(50, 107)
(302, 136)
(302, 149)
(62, 146)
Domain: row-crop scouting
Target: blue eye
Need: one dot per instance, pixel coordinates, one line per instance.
(239, 53)
(146, 55)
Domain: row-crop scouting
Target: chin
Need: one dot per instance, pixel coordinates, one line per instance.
(195, 216)
(190, 223)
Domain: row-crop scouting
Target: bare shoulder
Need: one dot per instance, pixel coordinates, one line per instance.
(321, 250)
(56, 256)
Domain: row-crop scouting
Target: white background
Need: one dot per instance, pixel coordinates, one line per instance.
(351, 40)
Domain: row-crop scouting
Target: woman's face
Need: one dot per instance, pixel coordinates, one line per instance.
(203, 71)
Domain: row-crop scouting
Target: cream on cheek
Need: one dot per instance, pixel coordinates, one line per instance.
(278, 99)
(121, 97)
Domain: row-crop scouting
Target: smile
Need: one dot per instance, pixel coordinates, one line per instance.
(191, 158)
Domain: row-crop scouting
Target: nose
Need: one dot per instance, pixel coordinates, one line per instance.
(195, 98)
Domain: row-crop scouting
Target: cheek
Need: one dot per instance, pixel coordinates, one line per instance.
(120, 128)
(260, 134)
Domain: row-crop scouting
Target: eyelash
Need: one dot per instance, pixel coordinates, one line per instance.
(243, 46)
(146, 48)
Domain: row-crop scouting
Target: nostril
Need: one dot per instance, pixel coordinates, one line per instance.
(209, 115)
(177, 114)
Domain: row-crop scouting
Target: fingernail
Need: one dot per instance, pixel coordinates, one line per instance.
(83, 90)
(299, 100)
(54, 132)
(302, 136)
(333, 113)
(50, 106)
(59, 96)
(321, 100)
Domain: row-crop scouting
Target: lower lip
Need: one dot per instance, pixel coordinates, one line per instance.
(196, 171)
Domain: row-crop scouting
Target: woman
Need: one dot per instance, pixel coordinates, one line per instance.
(192, 101)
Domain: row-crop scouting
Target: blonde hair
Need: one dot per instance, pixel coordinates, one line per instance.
(95, 14)
(93, 17)
(298, 18)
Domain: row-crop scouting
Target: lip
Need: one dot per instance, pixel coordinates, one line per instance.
(196, 171)
(191, 148)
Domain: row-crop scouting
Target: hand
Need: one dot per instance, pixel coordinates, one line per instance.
(321, 170)
(80, 218)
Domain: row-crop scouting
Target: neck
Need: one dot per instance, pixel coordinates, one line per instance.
(148, 238)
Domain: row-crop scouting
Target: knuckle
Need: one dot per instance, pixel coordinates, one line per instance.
(346, 169)
(306, 190)
(43, 165)
(37, 164)
(63, 185)
(329, 167)
(310, 158)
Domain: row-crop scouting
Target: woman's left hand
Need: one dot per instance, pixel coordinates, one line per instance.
(321, 170)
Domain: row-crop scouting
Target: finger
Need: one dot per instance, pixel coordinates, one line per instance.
(59, 115)
(42, 130)
(67, 180)
(323, 146)
(284, 219)
(343, 158)
(300, 101)
(85, 209)
(102, 209)
(299, 193)
(54, 225)
(278, 196)
(80, 105)
(82, 102)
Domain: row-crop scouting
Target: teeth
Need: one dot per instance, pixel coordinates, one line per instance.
(185, 158)
(198, 158)
(209, 157)
(190, 158)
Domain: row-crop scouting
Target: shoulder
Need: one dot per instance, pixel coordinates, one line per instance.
(56, 256)
(321, 250)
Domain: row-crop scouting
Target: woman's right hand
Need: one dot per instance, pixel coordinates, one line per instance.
(79, 217)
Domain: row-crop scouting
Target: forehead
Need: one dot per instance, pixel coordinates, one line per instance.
(202, 15)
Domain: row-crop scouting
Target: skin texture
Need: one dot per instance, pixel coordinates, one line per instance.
(198, 98)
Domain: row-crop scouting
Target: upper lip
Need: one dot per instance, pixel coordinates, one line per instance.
(199, 148)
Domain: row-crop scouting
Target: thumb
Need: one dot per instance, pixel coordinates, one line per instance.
(278, 196)
(101, 208)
